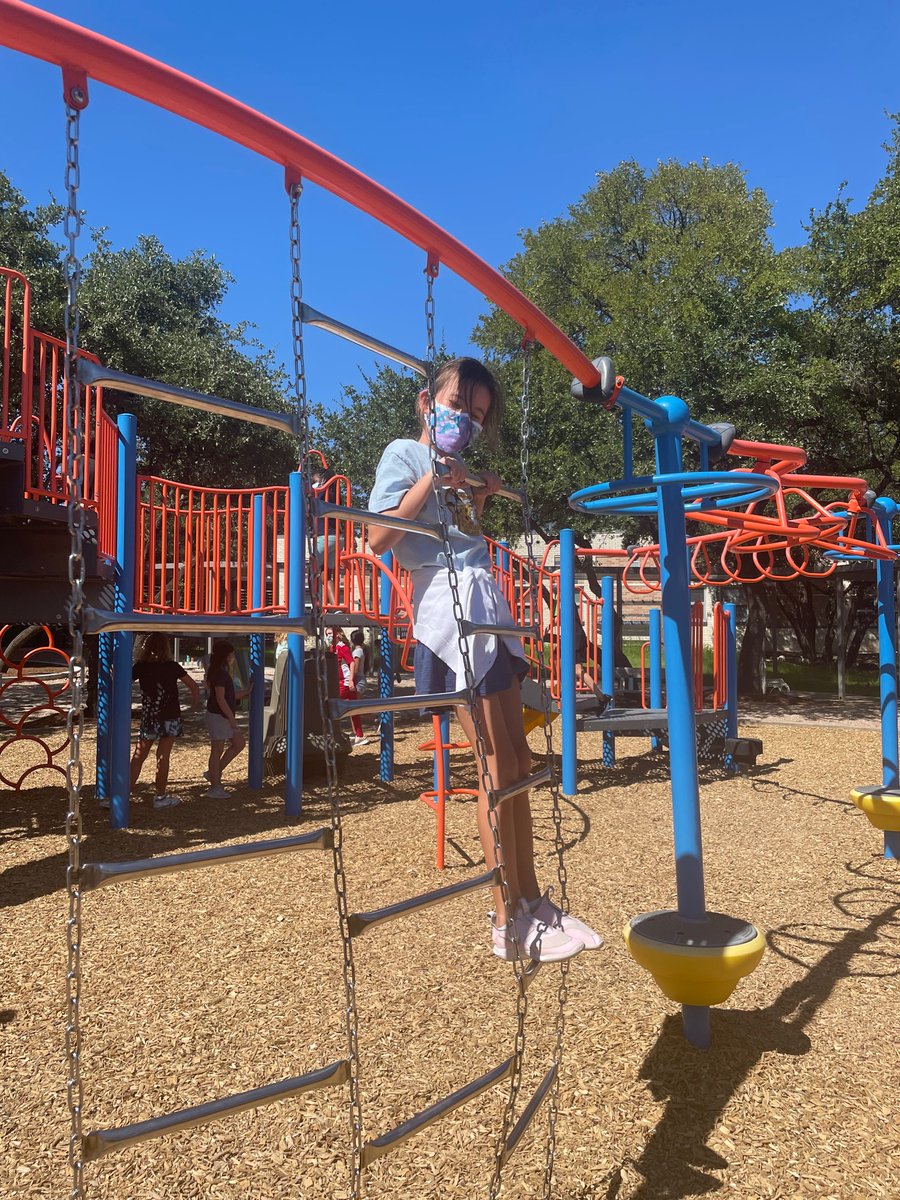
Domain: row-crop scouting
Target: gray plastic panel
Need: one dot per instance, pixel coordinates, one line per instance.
(714, 932)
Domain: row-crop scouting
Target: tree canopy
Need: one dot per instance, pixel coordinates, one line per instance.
(149, 314)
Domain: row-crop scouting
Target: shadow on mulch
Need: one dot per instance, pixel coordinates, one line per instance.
(40, 812)
(697, 1085)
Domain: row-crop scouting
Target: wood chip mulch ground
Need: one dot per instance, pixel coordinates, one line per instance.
(206, 983)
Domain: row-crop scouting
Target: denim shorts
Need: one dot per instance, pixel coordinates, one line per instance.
(149, 731)
(433, 676)
(321, 542)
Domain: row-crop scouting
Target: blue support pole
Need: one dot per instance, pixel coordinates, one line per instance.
(885, 574)
(445, 754)
(123, 643)
(608, 657)
(386, 678)
(104, 712)
(731, 688)
(257, 656)
(656, 688)
(676, 615)
(567, 661)
(293, 782)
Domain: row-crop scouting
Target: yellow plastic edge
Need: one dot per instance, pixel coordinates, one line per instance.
(883, 811)
(699, 975)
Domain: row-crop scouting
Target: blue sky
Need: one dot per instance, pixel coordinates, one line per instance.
(490, 117)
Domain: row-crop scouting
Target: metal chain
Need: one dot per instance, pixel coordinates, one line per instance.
(536, 609)
(487, 782)
(318, 615)
(74, 469)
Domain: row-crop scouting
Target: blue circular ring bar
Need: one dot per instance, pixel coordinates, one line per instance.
(699, 490)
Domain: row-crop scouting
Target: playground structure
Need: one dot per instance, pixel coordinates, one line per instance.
(696, 956)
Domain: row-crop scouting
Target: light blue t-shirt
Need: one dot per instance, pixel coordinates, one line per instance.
(403, 463)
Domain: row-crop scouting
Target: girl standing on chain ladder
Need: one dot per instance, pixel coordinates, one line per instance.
(468, 400)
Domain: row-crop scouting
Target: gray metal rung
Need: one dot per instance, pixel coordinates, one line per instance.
(95, 375)
(322, 508)
(101, 620)
(337, 620)
(545, 775)
(349, 708)
(104, 1141)
(360, 922)
(311, 316)
(389, 1141)
(97, 875)
(527, 1114)
(471, 628)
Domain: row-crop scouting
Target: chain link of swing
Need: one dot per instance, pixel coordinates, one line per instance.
(318, 615)
(74, 472)
(487, 782)
(559, 846)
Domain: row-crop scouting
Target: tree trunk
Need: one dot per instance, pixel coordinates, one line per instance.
(751, 665)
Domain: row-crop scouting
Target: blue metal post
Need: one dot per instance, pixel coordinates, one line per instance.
(885, 574)
(257, 656)
(123, 643)
(445, 754)
(731, 688)
(656, 688)
(293, 781)
(104, 711)
(608, 656)
(676, 615)
(567, 661)
(386, 677)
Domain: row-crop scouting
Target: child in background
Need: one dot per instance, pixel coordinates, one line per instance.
(226, 740)
(360, 661)
(467, 400)
(346, 686)
(159, 676)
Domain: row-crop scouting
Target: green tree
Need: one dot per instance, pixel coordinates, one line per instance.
(353, 436)
(849, 276)
(151, 315)
(673, 274)
(26, 245)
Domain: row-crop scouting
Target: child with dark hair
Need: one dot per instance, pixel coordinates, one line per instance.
(347, 688)
(159, 675)
(226, 740)
(467, 401)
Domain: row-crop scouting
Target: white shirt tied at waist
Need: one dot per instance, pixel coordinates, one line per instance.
(434, 624)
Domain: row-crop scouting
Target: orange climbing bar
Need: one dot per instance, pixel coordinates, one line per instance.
(53, 39)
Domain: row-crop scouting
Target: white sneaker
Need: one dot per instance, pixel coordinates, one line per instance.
(165, 801)
(538, 940)
(217, 793)
(545, 910)
(360, 741)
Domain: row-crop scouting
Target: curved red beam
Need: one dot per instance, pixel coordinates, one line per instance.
(58, 41)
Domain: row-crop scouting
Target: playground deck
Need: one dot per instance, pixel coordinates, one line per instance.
(193, 992)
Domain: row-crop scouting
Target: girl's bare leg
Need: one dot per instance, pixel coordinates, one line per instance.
(141, 750)
(163, 754)
(509, 760)
(216, 750)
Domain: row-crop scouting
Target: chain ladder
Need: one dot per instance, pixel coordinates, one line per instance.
(74, 469)
(480, 747)
(536, 610)
(318, 614)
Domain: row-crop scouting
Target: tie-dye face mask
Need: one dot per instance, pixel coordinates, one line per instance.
(453, 429)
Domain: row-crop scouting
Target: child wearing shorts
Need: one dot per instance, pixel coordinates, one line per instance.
(159, 676)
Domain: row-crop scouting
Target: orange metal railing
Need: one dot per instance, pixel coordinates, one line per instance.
(34, 411)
